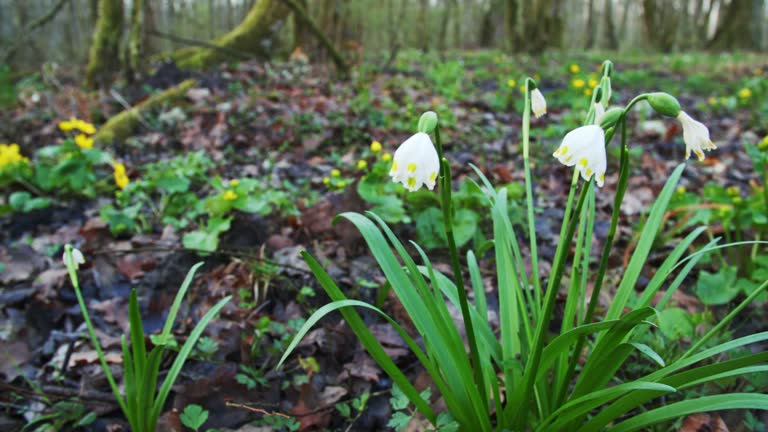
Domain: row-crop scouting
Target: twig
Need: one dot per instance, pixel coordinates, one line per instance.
(194, 42)
(126, 106)
(23, 34)
(229, 403)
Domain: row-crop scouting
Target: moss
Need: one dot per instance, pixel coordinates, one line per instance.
(103, 58)
(123, 125)
(245, 39)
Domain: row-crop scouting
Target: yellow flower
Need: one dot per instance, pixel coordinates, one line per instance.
(522, 88)
(758, 71)
(681, 190)
(578, 83)
(86, 127)
(10, 155)
(745, 93)
(121, 179)
(230, 195)
(511, 83)
(362, 164)
(326, 181)
(342, 184)
(335, 173)
(712, 100)
(763, 145)
(588, 92)
(574, 68)
(84, 142)
(593, 83)
(375, 146)
(386, 157)
(234, 182)
(68, 125)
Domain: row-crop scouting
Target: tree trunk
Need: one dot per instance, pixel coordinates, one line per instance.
(301, 35)
(589, 42)
(104, 57)
(442, 38)
(423, 28)
(247, 38)
(609, 29)
(661, 23)
(136, 41)
(733, 31)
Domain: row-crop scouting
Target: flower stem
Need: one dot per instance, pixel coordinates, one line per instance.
(89, 325)
(529, 199)
(447, 205)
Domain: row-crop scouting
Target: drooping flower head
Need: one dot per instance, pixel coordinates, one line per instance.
(584, 148)
(416, 163)
(538, 103)
(696, 136)
(77, 258)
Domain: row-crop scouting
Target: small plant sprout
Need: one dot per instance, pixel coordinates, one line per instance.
(142, 402)
(538, 103)
(194, 416)
(584, 148)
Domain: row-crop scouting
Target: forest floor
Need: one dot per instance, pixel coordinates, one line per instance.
(289, 127)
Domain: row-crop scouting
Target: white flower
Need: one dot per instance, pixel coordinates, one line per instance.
(416, 163)
(695, 135)
(599, 112)
(77, 258)
(538, 104)
(584, 147)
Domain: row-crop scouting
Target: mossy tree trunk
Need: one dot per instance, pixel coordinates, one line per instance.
(136, 41)
(247, 39)
(104, 58)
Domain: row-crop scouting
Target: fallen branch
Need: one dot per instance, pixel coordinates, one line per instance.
(124, 124)
(199, 43)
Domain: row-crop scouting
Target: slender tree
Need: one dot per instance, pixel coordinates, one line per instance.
(104, 58)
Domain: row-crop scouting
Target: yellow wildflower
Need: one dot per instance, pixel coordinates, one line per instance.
(578, 83)
(342, 184)
(386, 157)
(86, 127)
(681, 190)
(326, 181)
(512, 83)
(121, 179)
(574, 68)
(230, 195)
(335, 173)
(522, 88)
(763, 145)
(745, 93)
(234, 182)
(593, 82)
(375, 146)
(758, 71)
(84, 142)
(712, 100)
(588, 92)
(10, 155)
(68, 125)
(362, 164)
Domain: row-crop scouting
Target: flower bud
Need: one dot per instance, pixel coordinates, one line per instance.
(428, 122)
(610, 118)
(664, 104)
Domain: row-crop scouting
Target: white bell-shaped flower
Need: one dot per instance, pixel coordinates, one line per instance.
(77, 258)
(584, 148)
(538, 104)
(416, 163)
(695, 135)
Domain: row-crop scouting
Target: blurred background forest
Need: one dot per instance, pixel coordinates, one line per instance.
(61, 31)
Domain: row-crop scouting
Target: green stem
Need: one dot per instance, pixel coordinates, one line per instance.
(76, 285)
(529, 199)
(561, 253)
(607, 246)
(447, 204)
